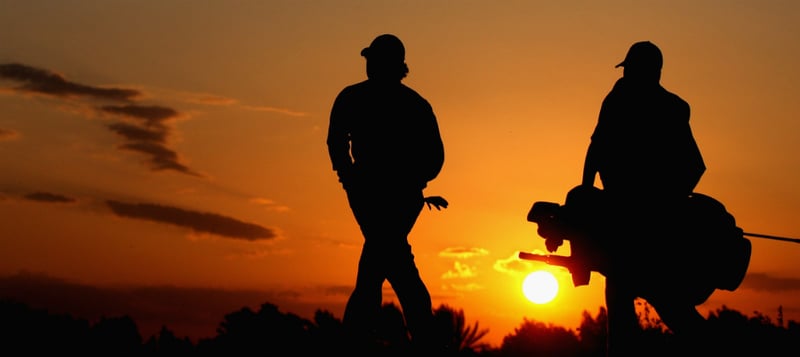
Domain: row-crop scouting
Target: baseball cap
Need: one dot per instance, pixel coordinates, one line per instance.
(385, 47)
(643, 54)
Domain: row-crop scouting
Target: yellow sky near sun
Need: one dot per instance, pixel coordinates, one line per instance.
(516, 86)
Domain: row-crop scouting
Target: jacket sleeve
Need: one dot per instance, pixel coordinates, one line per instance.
(434, 153)
(338, 140)
(595, 152)
(696, 166)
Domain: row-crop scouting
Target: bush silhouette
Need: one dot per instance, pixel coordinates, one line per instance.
(269, 331)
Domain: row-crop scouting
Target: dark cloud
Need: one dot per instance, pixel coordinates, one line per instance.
(41, 81)
(152, 114)
(48, 197)
(765, 282)
(148, 136)
(338, 290)
(197, 221)
(143, 128)
(136, 133)
(161, 157)
(186, 311)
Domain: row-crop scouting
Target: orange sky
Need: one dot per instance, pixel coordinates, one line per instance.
(122, 119)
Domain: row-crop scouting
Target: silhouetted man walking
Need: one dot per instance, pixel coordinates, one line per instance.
(648, 161)
(385, 146)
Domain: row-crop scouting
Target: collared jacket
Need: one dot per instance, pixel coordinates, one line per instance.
(384, 134)
(643, 143)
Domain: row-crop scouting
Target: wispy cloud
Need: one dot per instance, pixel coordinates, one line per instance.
(143, 128)
(48, 197)
(270, 204)
(210, 99)
(512, 265)
(218, 100)
(136, 133)
(161, 157)
(463, 253)
(41, 81)
(465, 287)
(284, 111)
(767, 283)
(153, 115)
(147, 134)
(202, 222)
(460, 271)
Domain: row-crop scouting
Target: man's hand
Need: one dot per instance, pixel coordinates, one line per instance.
(437, 201)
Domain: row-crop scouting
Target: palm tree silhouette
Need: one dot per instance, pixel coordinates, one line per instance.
(459, 337)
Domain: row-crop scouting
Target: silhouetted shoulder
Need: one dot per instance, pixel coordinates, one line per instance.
(411, 93)
(353, 89)
(678, 105)
(617, 93)
(348, 100)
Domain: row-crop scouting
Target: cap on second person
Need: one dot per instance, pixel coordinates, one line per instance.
(385, 47)
(643, 54)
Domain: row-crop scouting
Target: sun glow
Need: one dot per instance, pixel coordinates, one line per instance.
(540, 287)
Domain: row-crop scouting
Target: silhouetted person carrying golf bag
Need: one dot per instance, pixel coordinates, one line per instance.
(646, 230)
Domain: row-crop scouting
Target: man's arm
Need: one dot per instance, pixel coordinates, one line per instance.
(696, 165)
(590, 166)
(338, 140)
(430, 151)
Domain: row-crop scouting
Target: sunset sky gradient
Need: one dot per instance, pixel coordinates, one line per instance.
(167, 158)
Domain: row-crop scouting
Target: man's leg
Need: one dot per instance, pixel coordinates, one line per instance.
(623, 324)
(687, 324)
(404, 276)
(415, 300)
(364, 305)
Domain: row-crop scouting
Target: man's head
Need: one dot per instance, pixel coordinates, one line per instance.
(643, 62)
(386, 58)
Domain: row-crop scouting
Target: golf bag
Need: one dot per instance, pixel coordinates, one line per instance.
(693, 250)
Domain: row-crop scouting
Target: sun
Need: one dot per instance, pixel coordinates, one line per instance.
(540, 287)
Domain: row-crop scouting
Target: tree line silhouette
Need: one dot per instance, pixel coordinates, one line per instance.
(268, 331)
